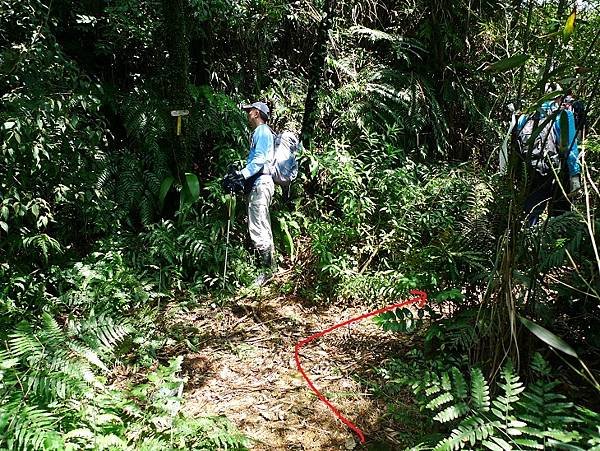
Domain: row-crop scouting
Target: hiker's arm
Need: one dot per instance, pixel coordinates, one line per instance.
(262, 142)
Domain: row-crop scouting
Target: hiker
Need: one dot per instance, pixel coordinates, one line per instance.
(257, 184)
(547, 157)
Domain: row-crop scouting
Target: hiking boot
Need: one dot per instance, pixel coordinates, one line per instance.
(266, 259)
(262, 279)
(266, 264)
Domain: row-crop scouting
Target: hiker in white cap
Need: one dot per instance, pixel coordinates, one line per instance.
(258, 185)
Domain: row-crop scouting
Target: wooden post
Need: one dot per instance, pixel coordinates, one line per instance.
(179, 114)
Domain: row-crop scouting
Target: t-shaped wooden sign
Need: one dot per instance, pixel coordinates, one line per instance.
(178, 114)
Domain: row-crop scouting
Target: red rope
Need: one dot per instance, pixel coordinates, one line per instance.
(421, 299)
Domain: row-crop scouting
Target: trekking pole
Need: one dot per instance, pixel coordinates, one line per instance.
(229, 202)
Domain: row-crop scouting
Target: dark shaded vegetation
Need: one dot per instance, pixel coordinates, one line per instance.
(107, 215)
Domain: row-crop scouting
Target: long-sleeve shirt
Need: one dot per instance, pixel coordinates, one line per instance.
(261, 151)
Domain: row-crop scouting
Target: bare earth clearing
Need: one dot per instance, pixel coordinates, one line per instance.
(245, 369)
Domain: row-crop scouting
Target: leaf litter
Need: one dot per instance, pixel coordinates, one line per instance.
(244, 368)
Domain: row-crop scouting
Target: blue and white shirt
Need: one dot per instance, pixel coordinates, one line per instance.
(261, 151)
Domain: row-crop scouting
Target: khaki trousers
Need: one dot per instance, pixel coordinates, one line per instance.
(259, 219)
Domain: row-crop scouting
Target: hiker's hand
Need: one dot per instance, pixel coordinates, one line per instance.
(233, 168)
(575, 184)
(233, 183)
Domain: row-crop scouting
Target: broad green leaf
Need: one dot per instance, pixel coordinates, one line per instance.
(570, 25)
(165, 186)
(193, 186)
(508, 63)
(4, 420)
(4, 226)
(53, 441)
(548, 337)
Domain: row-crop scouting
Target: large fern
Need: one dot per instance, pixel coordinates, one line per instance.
(43, 369)
(519, 417)
(52, 397)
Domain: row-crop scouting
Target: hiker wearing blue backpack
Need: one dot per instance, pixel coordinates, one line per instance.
(546, 152)
(257, 183)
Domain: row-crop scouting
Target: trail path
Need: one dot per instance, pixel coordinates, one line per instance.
(245, 369)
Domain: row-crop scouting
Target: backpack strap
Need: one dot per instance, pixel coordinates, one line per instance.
(275, 138)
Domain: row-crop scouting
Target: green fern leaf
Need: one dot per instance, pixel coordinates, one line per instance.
(480, 391)
(451, 413)
(446, 382)
(528, 443)
(469, 431)
(22, 342)
(432, 390)
(459, 384)
(440, 400)
(497, 444)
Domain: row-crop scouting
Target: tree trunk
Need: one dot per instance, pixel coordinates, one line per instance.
(316, 74)
(177, 80)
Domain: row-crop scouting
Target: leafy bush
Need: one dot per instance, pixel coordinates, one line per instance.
(54, 143)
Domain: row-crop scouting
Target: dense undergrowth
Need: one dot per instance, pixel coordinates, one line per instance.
(107, 217)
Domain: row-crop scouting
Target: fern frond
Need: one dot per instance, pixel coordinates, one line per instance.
(540, 365)
(480, 391)
(102, 332)
(459, 384)
(470, 431)
(535, 417)
(452, 412)
(22, 342)
(32, 427)
(51, 334)
(512, 386)
(44, 244)
(440, 400)
(497, 444)
(562, 233)
(528, 443)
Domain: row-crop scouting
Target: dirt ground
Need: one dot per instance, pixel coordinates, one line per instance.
(246, 371)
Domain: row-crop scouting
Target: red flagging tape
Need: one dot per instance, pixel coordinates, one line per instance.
(421, 299)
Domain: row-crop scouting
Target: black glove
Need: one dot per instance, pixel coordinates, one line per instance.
(233, 168)
(233, 183)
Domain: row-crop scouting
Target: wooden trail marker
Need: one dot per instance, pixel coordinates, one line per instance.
(178, 114)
